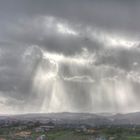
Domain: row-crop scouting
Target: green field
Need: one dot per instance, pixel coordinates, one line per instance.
(68, 135)
(133, 138)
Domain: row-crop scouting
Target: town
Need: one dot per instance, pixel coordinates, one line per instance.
(33, 128)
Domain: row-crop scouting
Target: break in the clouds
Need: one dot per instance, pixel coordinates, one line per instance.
(69, 55)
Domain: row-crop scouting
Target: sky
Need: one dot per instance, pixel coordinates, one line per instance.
(69, 56)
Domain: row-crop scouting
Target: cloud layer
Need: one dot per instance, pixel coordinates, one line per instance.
(79, 56)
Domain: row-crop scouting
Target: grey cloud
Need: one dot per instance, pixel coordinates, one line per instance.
(79, 79)
(119, 14)
(82, 65)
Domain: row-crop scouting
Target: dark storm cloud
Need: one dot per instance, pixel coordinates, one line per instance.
(120, 14)
(83, 48)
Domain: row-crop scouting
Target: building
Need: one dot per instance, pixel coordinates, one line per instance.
(42, 137)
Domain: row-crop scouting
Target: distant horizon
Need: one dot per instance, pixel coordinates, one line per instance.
(70, 113)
